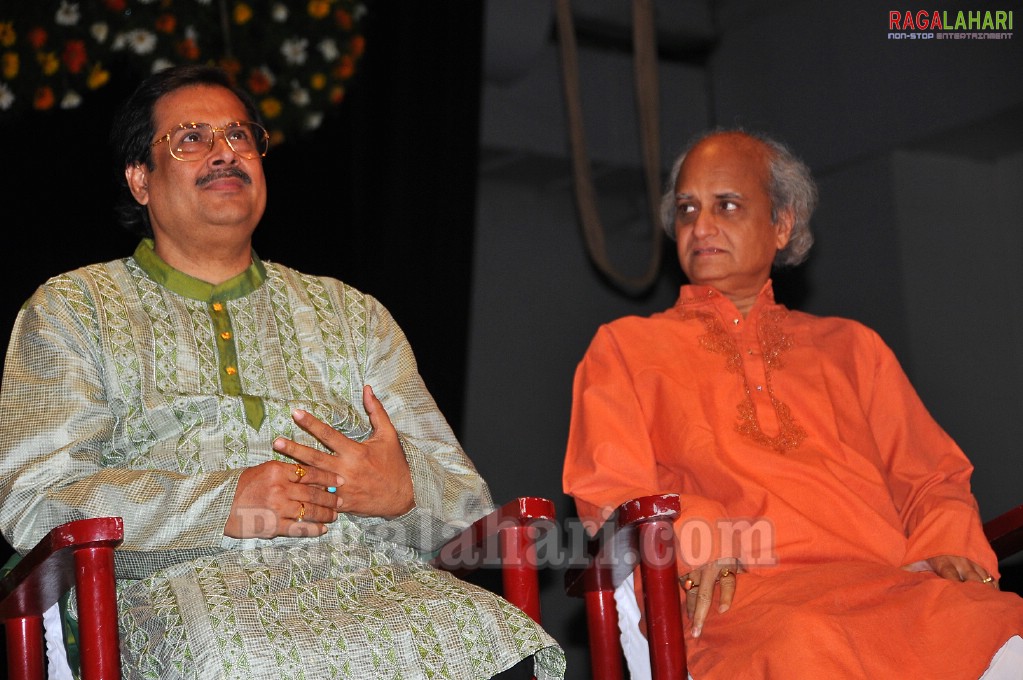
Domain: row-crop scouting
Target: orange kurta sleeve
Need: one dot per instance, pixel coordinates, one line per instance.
(612, 458)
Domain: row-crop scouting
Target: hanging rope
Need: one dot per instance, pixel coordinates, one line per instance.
(645, 64)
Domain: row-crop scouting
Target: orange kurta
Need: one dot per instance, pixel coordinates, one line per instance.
(799, 446)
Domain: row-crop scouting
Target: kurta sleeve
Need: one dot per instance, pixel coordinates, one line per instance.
(928, 474)
(57, 460)
(612, 454)
(449, 492)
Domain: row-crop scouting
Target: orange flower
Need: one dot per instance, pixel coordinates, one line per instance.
(259, 83)
(242, 13)
(276, 137)
(318, 8)
(318, 81)
(37, 37)
(343, 19)
(44, 99)
(358, 46)
(270, 107)
(98, 77)
(115, 5)
(11, 65)
(232, 66)
(74, 56)
(337, 93)
(345, 67)
(48, 62)
(8, 36)
(188, 49)
(165, 23)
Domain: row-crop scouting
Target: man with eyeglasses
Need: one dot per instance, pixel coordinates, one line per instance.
(280, 465)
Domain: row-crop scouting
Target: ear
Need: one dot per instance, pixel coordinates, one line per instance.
(138, 182)
(783, 227)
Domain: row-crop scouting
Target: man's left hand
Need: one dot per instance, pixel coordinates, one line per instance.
(375, 477)
(956, 568)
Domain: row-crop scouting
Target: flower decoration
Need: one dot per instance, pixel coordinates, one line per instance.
(295, 58)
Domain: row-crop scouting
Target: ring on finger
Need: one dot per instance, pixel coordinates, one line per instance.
(301, 512)
(725, 573)
(689, 584)
(299, 471)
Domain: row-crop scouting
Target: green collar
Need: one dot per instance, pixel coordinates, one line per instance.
(191, 287)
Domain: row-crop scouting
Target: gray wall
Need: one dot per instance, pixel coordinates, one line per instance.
(918, 150)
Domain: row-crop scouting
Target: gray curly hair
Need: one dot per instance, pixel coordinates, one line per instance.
(791, 188)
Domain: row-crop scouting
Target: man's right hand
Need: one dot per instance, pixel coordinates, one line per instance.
(282, 499)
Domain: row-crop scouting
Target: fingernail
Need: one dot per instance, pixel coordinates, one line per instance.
(331, 489)
(278, 444)
(298, 414)
(723, 608)
(696, 631)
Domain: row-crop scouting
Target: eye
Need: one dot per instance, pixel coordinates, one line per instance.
(238, 134)
(729, 206)
(685, 208)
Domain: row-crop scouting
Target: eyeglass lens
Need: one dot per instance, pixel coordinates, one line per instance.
(194, 140)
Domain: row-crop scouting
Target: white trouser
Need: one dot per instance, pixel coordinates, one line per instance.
(1007, 663)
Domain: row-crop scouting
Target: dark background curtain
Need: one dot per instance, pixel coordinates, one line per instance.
(382, 196)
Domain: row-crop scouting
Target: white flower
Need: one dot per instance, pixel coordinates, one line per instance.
(313, 120)
(6, 97)
(140, 41)
(328, 48)
(71, 100)
(299, 95)
(279, 12)
(67, 13)
(359, 11)
(191, 33)
(294, 50)
(160, 64)
(99, 31)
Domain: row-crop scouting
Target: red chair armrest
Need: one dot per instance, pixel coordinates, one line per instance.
(639, 532)
(1005, 532)
(79, 553)
(507, 538)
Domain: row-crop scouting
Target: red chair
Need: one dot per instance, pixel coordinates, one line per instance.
(640, 531)
(81, 553)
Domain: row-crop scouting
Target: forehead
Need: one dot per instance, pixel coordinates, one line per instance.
(200, 104)
(727, 162)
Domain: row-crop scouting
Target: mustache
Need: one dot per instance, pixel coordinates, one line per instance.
(223, 174)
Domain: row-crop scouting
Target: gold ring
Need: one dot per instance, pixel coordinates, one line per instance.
(689, 584)
(299, 471)
(989, 579)
(725, 573)
(301, 512)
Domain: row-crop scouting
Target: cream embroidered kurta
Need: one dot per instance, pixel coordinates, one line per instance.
(799, 446)
(131, 389)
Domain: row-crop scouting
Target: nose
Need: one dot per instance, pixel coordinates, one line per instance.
(704, 224)
(222, 151)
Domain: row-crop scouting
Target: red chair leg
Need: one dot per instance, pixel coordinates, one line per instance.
(605, 643)
(520, 581)
(25, 648)
(661, 600)
(97, 614)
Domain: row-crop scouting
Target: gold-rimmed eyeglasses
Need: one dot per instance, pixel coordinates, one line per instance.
(193, 141)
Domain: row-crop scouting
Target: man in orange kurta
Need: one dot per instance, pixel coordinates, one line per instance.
(829, 513)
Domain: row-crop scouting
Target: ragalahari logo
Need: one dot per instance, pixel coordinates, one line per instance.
(926, 24)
